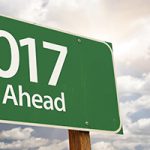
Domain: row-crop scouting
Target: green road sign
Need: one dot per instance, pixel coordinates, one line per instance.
(48, 77)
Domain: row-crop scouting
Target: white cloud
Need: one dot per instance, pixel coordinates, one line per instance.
(56, 145)
(128, 141)
(16, 134)
(129, 108)
(95, 20)
(34, 12)
(132, 55)
(103, 146)
(128, 85)
(24, 144)
(21, 139)
(13, 8)
(141, 127)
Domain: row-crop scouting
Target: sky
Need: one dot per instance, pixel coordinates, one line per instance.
(126, 24)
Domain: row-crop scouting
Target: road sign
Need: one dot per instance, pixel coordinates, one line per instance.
(49, 77)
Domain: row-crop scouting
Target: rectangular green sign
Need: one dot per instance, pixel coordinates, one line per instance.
(48, 77)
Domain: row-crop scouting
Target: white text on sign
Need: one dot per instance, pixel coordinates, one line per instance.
(30, 42)
(36, 100)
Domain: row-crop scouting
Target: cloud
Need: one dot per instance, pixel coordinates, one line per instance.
(122, 18)
(16, 134)
(133, 53)
(64, 15)
(56, 145)
(141, 127)
(130, 109)
(103, 146)
(96, 20)
(142, 113)
(24, 144)
(20, 139)
(23, 139)
(36, 8)
(129, 85)
(7, 8)
(129, 141)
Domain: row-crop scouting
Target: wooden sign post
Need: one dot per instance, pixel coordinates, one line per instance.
(79, 140)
